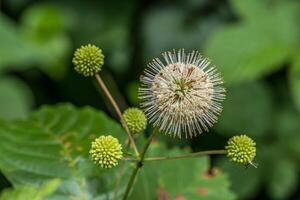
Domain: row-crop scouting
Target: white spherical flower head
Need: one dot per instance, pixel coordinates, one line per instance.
(183, 95)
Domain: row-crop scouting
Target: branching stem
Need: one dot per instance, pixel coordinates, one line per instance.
(188, 155)
(139, 164)
(122, 171)
(118, 111)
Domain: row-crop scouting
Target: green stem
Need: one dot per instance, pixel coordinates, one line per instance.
(139, 164)
(188, 155)
(148, 142)
(131, 181)
(118, 111)
(121, 173)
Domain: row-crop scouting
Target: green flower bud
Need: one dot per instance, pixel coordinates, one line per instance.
(135, 119)
(88, 60)
(106, 151)
(241, 149)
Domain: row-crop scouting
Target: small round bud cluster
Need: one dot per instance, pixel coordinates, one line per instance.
(88, 60)
(241, 149)
(135, 119)
(106, 151)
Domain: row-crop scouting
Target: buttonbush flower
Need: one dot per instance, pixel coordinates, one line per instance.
(136, 120)
(183, 95)
(88, 60)
(106, 151)
(241, 149)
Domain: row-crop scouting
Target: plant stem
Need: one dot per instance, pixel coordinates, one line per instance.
(148, 142)
(121, 172)
(131, 181)
(129, 159)
(118, 111)
(188, 155)
(139, 164)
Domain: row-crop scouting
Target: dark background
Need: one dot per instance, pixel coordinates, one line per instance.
(254, 43)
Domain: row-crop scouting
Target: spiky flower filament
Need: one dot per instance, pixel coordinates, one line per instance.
(182, 96)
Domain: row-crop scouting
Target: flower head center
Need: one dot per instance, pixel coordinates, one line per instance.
(181, 87)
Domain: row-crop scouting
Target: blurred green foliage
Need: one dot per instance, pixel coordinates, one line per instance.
(188, 178)
(265, 37)
(30, 193)
(254, 43)
(16, 98)
(54, 143)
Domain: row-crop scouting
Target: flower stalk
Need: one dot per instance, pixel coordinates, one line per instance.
(181, 96)
(139, 164)
(188, 155)
(118, 111)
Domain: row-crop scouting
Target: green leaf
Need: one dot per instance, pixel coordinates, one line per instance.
(173, 27)
(15, 5)
(15, 99)
(283, 175)
(41, 41)
(245, 181)
(286, 128)
(251, 9)
(132, 92)
(188, 178)
(111, 32)
(294, 80)
(54, 143)
(66, 120)
(283, 179)
(252, 49)
(13, 49)
(30, 193)
(44, 21)
(247, 109)
(280, 179)
(44, 27)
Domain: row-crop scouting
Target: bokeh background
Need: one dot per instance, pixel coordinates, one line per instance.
(254, 43)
